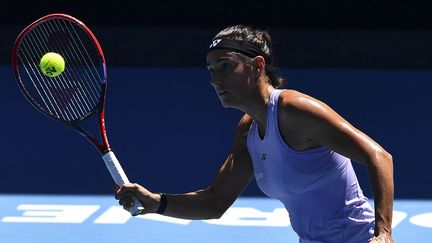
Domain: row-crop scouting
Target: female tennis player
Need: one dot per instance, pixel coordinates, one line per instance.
(298, 149)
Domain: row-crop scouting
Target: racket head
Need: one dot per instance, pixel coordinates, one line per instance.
(80, 90)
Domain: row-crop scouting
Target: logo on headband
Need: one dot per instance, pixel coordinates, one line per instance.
(215, 43)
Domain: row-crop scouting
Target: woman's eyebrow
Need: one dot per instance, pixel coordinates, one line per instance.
(220, 59)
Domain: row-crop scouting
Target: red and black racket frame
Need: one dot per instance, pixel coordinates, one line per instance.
(103, 147)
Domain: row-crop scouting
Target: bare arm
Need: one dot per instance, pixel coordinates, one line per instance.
(325, 127)
(231, 179)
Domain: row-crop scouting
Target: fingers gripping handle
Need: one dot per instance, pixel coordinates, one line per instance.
(120, 178)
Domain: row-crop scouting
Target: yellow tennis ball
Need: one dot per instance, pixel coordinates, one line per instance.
(52, 64)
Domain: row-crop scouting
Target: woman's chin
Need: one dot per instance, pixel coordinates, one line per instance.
(227, 100)
(224, 104)
(228, 104)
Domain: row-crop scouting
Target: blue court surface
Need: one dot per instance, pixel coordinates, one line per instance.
(72, 218)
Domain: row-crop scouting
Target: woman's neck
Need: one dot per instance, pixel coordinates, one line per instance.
(257, 104)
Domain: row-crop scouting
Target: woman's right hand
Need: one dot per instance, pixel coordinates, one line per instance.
(127, 193)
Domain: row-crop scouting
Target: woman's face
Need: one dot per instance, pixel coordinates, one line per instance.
(230, 76)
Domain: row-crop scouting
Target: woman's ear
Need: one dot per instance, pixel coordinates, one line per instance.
(259, 63)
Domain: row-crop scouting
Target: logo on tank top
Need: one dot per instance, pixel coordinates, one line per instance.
(263, 156)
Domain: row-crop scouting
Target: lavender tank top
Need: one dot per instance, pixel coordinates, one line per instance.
(318, 187)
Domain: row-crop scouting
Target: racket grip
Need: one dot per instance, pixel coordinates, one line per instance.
(120, 178)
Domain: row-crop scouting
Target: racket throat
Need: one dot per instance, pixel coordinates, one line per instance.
(103, 133)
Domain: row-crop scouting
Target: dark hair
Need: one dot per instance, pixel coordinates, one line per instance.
(262, 40)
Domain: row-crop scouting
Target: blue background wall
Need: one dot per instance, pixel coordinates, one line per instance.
(164, 120)
(171, 134)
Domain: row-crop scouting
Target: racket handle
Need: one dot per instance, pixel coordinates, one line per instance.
(120, 178)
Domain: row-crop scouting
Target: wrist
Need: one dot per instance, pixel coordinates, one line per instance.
(162, 203)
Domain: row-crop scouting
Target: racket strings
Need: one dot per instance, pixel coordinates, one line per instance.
(50, 86)
(60, 91)
(90, 71)
(77, 91)
(72, 54)
(42, 87)
(82, 89)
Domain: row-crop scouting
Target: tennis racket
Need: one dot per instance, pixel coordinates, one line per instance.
(79, 92)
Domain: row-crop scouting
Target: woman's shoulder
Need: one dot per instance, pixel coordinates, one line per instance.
(292, 101)
(294, 98)
(245, 122)
(242, 130)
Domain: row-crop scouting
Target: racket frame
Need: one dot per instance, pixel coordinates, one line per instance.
(103, 147)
